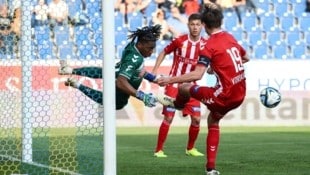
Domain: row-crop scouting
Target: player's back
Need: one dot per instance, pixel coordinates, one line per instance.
(226, 60)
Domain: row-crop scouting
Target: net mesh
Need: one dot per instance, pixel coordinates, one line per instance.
(47, 127)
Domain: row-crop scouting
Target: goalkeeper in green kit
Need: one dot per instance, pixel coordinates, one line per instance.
(129, 71)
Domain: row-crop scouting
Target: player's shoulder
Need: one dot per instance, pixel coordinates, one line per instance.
(181, 38)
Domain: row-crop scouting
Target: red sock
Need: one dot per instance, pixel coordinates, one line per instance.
(213, 138)
(192, 136)
(162, 135)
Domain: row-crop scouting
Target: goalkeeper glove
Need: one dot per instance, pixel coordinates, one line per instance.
(148, 99)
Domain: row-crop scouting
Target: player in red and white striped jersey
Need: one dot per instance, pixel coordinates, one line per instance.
(185, 49)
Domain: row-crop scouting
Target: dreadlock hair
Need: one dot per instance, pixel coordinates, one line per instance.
(145, 34)
(212, 15)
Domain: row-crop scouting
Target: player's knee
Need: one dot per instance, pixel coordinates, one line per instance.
(195, 121)
(184, 89)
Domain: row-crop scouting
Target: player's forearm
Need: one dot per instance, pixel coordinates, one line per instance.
(158, 62)
(184, 78)
(189, 77)
(123, 84)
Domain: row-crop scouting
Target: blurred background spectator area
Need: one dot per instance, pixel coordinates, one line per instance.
(268, 29)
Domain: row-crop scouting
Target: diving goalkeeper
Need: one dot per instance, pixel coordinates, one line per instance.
(129, 71)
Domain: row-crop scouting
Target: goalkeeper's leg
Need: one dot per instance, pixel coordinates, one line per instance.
(89, 92)
(91, 72)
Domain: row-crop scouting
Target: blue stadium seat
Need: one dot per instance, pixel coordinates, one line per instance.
(160, 45)
(84, 44)
(99, 43)
(43, 42)
(304, 22)
(230, 20)
(238, 35)
(96, 22)
(299, 9)
(118, 19)
(287, 22)
(280, 51)
(98, 38)
(273, 37)
(41, 33)
(119, 51)
(292, 37)
(261, 50)
(93, 6)
(280, 8)
(74, 7)
(135, 20)
(120, 37)
(300, 51)
(249, 22)
(307, 37)
(85, 50)
(45, 50)
(150, 9)
(66, 50)
(268, 21)
(263, 4)
(82, 32)
(61, 34)
(254, 37)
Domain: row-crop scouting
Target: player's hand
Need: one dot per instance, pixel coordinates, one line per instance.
(148, 99)
(163, 80)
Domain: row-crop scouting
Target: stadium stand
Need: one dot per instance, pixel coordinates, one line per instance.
(249, 22)
(300, 51)
(280, 8)
(284, 29)
(254, 37)
(268, 21)
(280, 51)
(135, 20)
(293, 37)
(261, 50)
(42, 42)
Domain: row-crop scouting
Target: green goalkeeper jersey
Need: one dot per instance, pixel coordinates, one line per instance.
(131, 64)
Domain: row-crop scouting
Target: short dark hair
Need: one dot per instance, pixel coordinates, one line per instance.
(212, 15)
(194, 16)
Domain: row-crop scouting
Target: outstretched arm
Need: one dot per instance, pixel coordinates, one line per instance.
(123, 84)
(189, 77)
(158, 62)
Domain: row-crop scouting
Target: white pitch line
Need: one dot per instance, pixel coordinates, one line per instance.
(41, 165)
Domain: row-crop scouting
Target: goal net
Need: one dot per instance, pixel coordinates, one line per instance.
(47, 127)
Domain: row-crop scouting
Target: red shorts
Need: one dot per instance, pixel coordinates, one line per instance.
(191, 108)
(219, 105)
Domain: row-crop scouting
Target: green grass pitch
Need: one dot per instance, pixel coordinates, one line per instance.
(242, 151)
